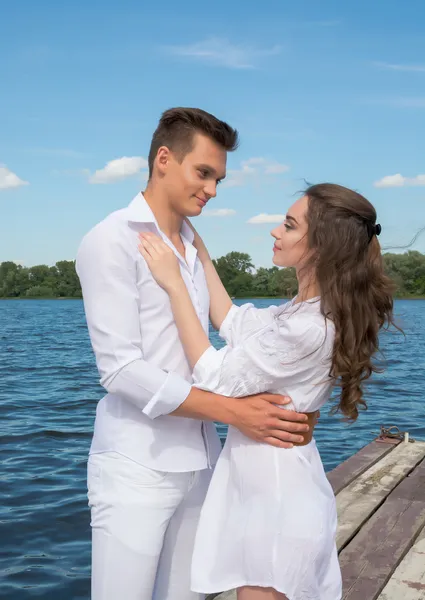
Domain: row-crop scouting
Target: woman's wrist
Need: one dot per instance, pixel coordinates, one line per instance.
(174, 288)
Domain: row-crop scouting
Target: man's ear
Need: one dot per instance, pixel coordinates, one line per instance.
(162, 159)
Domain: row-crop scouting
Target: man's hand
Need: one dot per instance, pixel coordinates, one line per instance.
(260, 419)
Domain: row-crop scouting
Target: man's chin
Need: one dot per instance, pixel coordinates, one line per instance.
(194, 211)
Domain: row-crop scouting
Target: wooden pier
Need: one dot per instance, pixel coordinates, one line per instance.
(380, 494)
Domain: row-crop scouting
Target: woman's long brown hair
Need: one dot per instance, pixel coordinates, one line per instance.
(355, 292)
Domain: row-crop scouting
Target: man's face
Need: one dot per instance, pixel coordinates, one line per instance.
(190, 184)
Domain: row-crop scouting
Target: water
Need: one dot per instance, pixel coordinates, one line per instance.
(48, 394)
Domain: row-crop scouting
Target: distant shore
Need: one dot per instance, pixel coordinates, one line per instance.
(233, 298)
(236, 270)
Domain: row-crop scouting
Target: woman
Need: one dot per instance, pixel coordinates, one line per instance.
(269, 520)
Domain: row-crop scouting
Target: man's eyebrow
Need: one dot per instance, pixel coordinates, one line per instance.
(290, 218)
(211, 170)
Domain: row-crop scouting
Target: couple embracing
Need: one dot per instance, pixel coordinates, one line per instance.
(173, 517)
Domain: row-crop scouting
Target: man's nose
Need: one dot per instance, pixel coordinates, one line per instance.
(210, 189)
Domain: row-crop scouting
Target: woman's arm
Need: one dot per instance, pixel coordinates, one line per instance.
(242, 371)
(165, 268)
(220, 301)
(279, 358)
(192, 335)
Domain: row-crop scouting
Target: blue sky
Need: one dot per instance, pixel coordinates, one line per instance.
(321, 91)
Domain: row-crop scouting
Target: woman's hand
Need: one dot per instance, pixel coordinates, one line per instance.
(161, 260)
(198, 242)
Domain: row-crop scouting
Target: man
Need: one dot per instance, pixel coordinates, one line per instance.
(154, 441)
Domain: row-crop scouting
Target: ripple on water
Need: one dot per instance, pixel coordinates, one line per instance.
(48, 394)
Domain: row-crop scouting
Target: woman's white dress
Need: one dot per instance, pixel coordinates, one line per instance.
(269, 518)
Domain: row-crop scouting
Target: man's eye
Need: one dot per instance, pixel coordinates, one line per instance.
(202, 173)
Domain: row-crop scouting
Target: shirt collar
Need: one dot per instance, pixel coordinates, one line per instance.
(139, 211)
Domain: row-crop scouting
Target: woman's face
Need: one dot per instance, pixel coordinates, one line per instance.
(291, 245)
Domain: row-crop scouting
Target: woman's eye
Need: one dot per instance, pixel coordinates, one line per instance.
(287, 227)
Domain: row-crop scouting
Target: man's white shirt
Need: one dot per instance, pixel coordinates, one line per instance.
(139, 355)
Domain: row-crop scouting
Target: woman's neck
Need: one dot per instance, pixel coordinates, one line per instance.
(308, 287)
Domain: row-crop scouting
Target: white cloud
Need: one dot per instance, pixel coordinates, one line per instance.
(251, 168)
(255, 160)
(219, 212)
(276, 169)
(220, 52)
(398, 67)
(408, 102)
(9, 180)
(390, 181)
(398, 180)
(233, 180)
(265, 218)
(118, 169)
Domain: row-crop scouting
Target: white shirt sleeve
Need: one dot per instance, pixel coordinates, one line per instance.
(242, 322)
(276, 356)
(107, 272)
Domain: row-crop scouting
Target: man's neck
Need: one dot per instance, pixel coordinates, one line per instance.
(168, 220)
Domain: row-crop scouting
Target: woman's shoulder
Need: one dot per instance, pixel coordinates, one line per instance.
(276, 325)
(299, 325)
(300, 328)
(250, 313)
(293, 343)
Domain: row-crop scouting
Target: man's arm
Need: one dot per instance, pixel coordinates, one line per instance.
(258, 417)
(107, 273)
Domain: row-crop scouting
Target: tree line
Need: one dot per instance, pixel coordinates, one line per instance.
(236, 270)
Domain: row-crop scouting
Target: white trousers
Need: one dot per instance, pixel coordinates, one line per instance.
(143, 529)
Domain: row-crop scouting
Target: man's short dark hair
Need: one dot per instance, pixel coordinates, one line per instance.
(178, 126)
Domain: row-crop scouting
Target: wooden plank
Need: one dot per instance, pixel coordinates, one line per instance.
(368, 563)
(412, 487)
(408, 581)
(361, 498)
(369, 560)
(357, 464)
